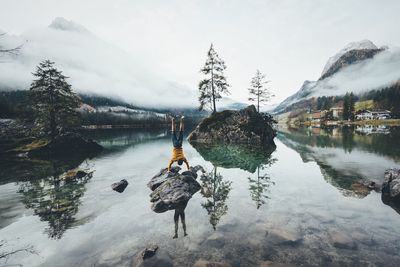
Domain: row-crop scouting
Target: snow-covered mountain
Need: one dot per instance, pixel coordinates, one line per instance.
(364, 44)
(93, 65)
(357, 68)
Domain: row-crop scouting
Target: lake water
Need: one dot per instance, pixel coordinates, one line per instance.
(297, 205)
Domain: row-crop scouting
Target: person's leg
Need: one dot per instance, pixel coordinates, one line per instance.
(182, 125)
(183, 222)
(173, 134)
(176, 220)
(181, 129)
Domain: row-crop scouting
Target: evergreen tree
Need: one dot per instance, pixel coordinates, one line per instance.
(348, 106)
(258, 92)
(52, 99)
(215, 83)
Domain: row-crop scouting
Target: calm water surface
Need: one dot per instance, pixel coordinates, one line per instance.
(295, 205)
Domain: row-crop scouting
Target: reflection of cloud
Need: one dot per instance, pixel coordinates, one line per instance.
(380, 71)
(93, 66)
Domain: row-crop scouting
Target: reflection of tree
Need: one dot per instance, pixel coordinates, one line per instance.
(260, 186)
(216, 192)
(55, 199)
(348, 138)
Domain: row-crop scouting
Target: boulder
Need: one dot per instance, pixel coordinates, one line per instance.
(65, 145)
(391, 189)
(173, 190)
(120, 186)
(245, 126)
(161, 177)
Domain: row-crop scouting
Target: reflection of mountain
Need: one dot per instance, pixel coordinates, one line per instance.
(345, 156)
(244, 157)
(215, 191)
(55, 199)
(120, 138)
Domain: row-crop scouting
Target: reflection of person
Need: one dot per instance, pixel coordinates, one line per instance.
(180, 212)
(177, 151)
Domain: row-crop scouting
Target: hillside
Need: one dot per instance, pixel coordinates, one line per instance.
(360, 67)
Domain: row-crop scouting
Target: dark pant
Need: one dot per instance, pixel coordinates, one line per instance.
(177, 141)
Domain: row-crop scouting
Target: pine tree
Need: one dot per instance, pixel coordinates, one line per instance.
(215, 84)
(346, 114)
(52, 99)
(348, 106)
(258, 92)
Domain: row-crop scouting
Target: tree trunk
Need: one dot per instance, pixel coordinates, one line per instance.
(212, 88)
(52, 112)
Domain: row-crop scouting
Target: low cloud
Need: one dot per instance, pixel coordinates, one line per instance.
(380, 71)
(93, 66)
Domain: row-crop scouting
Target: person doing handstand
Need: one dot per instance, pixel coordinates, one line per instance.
(177, 151)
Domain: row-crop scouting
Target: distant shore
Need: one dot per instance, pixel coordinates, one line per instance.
(390, 122)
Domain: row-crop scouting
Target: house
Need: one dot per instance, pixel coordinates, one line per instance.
(377, 114)
(317, 115)
(337, 112)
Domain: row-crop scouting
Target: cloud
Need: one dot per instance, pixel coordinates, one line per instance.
(93, 65)
(380, 71)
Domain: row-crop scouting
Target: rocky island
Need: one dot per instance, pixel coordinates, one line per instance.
(246, 126)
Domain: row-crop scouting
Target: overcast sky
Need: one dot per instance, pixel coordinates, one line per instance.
(289, 41)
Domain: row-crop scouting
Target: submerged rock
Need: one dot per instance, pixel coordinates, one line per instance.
(391, 189)
(152, 257)
(66, 145)
(245, 126)
(204, 263)
(76, 174)
(149, 252)
(120, 186)
(173, 190)
(341, 240)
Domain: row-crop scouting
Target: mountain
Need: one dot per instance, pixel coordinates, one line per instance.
(359, 67)
(93, 65)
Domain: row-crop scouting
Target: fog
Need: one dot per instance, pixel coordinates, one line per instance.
(93, 65)
(380, 71)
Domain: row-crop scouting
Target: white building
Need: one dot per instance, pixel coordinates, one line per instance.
(374, 115)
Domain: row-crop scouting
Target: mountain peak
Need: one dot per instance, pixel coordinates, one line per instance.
(363, 44)
(60, 23)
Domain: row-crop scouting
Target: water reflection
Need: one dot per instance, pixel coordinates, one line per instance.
(180, 212)
(346, 155)
(55, 199)
(244, 157)
(215, 191)
(259, 187)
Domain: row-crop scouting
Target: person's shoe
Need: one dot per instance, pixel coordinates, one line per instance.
(175, 236)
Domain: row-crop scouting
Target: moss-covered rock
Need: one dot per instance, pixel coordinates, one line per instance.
(245, 126)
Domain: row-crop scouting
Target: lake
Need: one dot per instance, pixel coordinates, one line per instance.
(296, 204)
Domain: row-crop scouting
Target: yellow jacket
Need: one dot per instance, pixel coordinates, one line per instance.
(177, 154)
